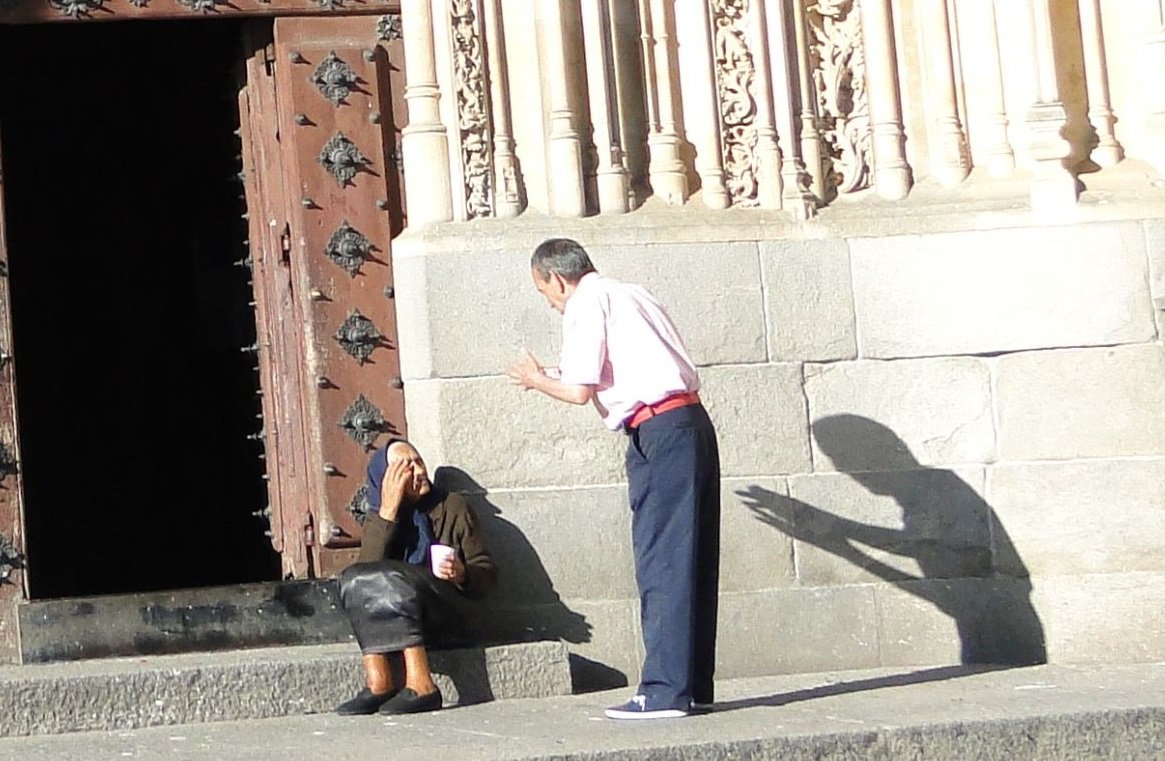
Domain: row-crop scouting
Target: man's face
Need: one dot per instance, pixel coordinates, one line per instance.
(419, 485)
(553, 289)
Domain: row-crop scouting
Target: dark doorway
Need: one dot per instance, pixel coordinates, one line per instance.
(134, 397)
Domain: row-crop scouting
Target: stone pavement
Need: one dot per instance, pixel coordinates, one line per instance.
(1042, 713)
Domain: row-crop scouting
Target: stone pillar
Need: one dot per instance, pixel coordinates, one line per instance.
(610, 172)
(992, 121)
(948, 146)
(892, 178)
(508, 195)
(424, 141)
(810, 134)
(697, 71)
(1154, 73)
(796, 197)
(564, 149)
(768, 155)
(669, 179)
(1053, 187)
(1108, 151)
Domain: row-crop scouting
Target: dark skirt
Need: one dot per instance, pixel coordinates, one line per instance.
(393, 605)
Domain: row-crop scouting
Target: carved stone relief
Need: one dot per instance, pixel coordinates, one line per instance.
(76, 8)
(472, 108)
(839, 73)
(735, 72)
(388, 27)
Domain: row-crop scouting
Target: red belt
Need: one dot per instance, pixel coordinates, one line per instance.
(667, 404)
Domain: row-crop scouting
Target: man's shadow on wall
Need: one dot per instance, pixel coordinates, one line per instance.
(968, 566)
(525, 606)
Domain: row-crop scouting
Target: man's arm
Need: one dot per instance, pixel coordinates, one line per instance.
(529, 374)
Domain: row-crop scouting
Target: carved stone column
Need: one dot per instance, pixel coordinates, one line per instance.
(564, 149)
(508, 196)
(736, 72)
(424, 141)
(669, 179)
(892, 178)
(1155, 89)
(948, 146)
(702, 110)
(1108, 151)
(784, 62)
(768, 154)
(999, 158)
(471, 100)
(809, 133)
(610, 172)
(1053, 188)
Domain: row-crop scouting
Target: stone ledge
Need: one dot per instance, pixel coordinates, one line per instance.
(131, 693)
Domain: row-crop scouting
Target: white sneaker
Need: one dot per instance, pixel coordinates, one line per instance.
(636, 708)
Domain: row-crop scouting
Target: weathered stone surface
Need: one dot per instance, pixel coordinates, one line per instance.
(950, 621)
(573, 543)
(897, 415)
(1103, 402)
(1103, 618)
(896, 526)
(711, 290)
(1155, 243)
(183, 689)
(1096, 516)
(504, 438)
(753, 555)
(1001, 290)
(470, 312)
(759, 412)
(796, 630)
(810, 300)
(613, 656)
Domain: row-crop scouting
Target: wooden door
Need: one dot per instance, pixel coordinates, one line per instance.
(323, 196)
(13, 584)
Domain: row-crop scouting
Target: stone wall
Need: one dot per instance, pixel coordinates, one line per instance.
(935, 446)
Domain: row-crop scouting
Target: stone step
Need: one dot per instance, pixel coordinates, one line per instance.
(136, 692)
(1042, 713)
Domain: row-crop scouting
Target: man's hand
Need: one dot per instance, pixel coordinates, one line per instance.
(394, 487)
(451, 569)
(526, 372)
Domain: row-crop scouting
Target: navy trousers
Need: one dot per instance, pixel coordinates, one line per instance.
(673, 470)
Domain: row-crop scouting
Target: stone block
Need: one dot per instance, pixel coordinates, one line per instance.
(759, 412)
(1096, 516)
(503, 437)
(810, 298)
(1103, 618)
(613, 656)
(1103, 402)
(990, 291)
(470, 311)
(796, 630)
(573, 543)
(753, 554)
(899, 526)
(1155, 243)
(898, 415)
(950, 621)
(711, 290)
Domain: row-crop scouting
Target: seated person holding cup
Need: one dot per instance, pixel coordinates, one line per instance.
(420, 551)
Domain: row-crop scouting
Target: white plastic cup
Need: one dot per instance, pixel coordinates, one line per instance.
(438, 553)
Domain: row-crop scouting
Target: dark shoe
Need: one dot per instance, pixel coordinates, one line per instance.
(637, 708)
(364, 703)
(407, 701)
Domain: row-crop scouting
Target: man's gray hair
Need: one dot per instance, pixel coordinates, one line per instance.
(563, 257)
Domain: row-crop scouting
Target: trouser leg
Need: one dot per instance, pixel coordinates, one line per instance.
(707, 565)
(666, 491)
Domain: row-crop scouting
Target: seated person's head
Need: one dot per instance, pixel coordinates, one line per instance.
(419, 485)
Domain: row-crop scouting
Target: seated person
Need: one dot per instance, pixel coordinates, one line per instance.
(392, 598)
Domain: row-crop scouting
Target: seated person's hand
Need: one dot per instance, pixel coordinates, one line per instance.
(451, 569)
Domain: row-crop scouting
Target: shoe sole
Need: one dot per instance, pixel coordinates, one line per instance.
(670, 713)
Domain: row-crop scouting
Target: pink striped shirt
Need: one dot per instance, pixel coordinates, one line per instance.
(618, 338)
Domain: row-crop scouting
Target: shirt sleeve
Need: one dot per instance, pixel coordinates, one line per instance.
(584, 341)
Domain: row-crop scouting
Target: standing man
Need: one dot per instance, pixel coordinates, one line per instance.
(621, 352)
